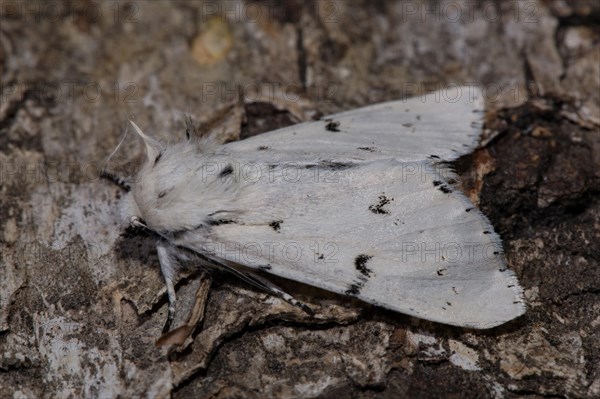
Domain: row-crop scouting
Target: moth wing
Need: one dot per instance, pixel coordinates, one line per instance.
(387, 233)
(444, 124)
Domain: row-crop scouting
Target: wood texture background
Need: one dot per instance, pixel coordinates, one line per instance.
(81, 307)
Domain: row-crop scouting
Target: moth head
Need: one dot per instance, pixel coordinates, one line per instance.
(139, 205)
(159, 199)
(178, 186)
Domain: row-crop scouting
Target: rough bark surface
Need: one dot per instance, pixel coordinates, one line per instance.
(81, 307)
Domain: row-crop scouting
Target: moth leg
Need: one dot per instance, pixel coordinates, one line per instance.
(168, 267)
(117, 180)
(273, 289)
(262, 283)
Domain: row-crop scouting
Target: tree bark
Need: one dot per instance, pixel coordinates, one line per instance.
(81, 307)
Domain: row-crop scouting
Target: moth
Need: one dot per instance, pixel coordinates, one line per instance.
(362, 203)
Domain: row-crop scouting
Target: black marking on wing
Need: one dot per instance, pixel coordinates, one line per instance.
(157, 157)
(264, 267)
(227, 170)
(361, 264)
(440, 272)
(218, 222)
(369, 149)
(434, 157)
(436, 183)
(263, 148)
(378, 208)
(445, 189)
(329, 165)
(354, 289)
(276, 224)
(335, 165)
(332, 126)
(469, 209)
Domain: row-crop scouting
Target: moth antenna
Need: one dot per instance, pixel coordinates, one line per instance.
(188, 122)
(105, 174)
(152, 145)
(117, 148)
(189, 126)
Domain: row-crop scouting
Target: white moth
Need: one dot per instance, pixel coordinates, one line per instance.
(362, 203)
